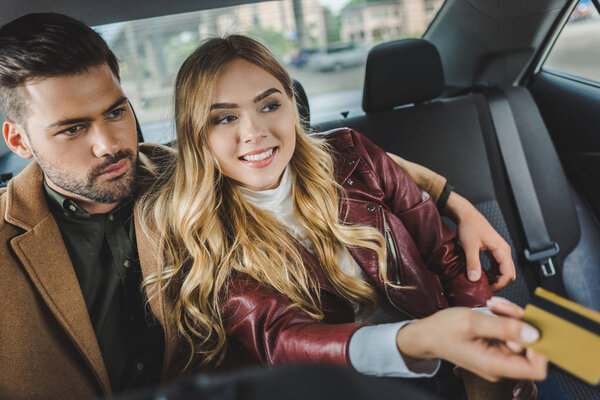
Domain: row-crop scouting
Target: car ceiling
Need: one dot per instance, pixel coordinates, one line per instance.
(106, 11)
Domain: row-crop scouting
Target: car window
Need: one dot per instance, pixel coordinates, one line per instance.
(3, 147)
(577, 49)
(323, 43)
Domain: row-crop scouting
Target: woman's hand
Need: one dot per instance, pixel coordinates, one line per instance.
(476, 234)
(524, 389)
(477, 342)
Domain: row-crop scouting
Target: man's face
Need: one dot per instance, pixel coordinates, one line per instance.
(81, 131)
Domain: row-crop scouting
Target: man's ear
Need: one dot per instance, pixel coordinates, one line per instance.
(16, 139)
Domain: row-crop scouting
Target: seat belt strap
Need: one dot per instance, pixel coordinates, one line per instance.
(540, 248)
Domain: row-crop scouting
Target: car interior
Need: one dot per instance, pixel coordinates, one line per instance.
(474, 100)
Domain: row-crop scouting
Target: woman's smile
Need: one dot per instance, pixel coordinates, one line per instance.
(259, 158)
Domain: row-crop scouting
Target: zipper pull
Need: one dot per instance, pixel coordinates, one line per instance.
(391, 245)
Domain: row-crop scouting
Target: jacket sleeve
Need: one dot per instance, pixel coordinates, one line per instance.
(425, 178)
(276, 332)
(434, 239)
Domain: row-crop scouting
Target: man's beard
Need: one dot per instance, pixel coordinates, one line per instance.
(113, 190)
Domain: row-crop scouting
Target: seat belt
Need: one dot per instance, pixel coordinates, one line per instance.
(540, 248)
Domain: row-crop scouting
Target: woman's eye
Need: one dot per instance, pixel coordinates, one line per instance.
(271, 107)
(115, 114)
(225, 120)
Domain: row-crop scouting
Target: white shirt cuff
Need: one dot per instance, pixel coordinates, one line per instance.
(484, 310)
(373, 351)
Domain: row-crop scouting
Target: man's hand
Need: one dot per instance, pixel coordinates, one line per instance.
(477, 342)
(476, 234)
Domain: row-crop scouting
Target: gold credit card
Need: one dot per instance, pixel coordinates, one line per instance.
(570, 334)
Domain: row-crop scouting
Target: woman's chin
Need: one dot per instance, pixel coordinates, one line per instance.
(259, 187)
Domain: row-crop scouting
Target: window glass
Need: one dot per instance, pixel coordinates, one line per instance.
(322, 43)
(3, 147)
(577, 49)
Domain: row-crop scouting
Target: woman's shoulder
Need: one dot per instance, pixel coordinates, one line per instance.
(343, 139)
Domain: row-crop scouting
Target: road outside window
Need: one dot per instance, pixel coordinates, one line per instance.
(577, 49)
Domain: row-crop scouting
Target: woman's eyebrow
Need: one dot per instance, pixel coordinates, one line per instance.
(223, 105)
(258, 98)
(266, 93)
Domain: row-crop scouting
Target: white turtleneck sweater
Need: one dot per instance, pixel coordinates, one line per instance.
(373, 349)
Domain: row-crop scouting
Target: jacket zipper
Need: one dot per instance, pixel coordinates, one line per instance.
(390, 242)
(391, 245)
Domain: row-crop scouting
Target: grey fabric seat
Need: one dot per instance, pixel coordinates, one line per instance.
(406, 114)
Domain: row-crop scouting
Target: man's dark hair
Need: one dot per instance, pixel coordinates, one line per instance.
(44, 46)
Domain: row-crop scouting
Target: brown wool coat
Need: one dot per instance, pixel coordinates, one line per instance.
(48, 348)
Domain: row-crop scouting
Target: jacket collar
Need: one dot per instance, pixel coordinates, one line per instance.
(26, 202)
(345, 156)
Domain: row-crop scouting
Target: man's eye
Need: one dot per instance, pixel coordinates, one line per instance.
(115, 114)
(225, 120)
(72, 131)
(271, 107)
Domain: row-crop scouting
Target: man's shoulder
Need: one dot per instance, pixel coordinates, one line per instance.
(345, 140)
(154, 161)
(336, 135)
(3, 204)
(3, 199)
(24, 198)
(154, 158)
(157, 151)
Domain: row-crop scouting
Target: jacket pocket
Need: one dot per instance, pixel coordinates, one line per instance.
(391, 245)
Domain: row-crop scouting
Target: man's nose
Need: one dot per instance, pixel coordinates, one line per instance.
(104, 142)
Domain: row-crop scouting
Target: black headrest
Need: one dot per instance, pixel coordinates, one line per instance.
(302, 104)
(402, 72)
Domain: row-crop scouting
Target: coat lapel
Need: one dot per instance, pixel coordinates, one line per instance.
(44, 257)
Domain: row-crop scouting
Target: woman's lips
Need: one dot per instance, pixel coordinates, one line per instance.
(261, 163)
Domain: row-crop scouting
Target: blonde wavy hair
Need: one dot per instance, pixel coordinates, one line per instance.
(207, 231)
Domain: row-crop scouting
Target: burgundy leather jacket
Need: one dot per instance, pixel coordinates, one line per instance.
(421, 253)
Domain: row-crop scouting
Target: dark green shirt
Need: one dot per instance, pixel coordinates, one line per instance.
(103, 251)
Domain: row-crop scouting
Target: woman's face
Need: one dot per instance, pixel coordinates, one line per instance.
(251, 127)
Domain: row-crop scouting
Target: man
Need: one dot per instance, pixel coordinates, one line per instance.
(73, 321)
(75, 298)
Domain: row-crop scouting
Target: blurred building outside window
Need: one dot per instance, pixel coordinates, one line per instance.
(577, 49)
(151, 51)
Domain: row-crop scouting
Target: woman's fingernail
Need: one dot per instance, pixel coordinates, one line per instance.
(493, 301)
(517, 392)
(514, 346)
(500, 299)
(473, 275)
(529, 334)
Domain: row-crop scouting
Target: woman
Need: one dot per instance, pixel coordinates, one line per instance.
(284, 241)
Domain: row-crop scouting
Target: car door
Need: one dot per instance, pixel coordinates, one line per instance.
(567, 91)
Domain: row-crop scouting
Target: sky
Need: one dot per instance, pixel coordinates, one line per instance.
(334, 5)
